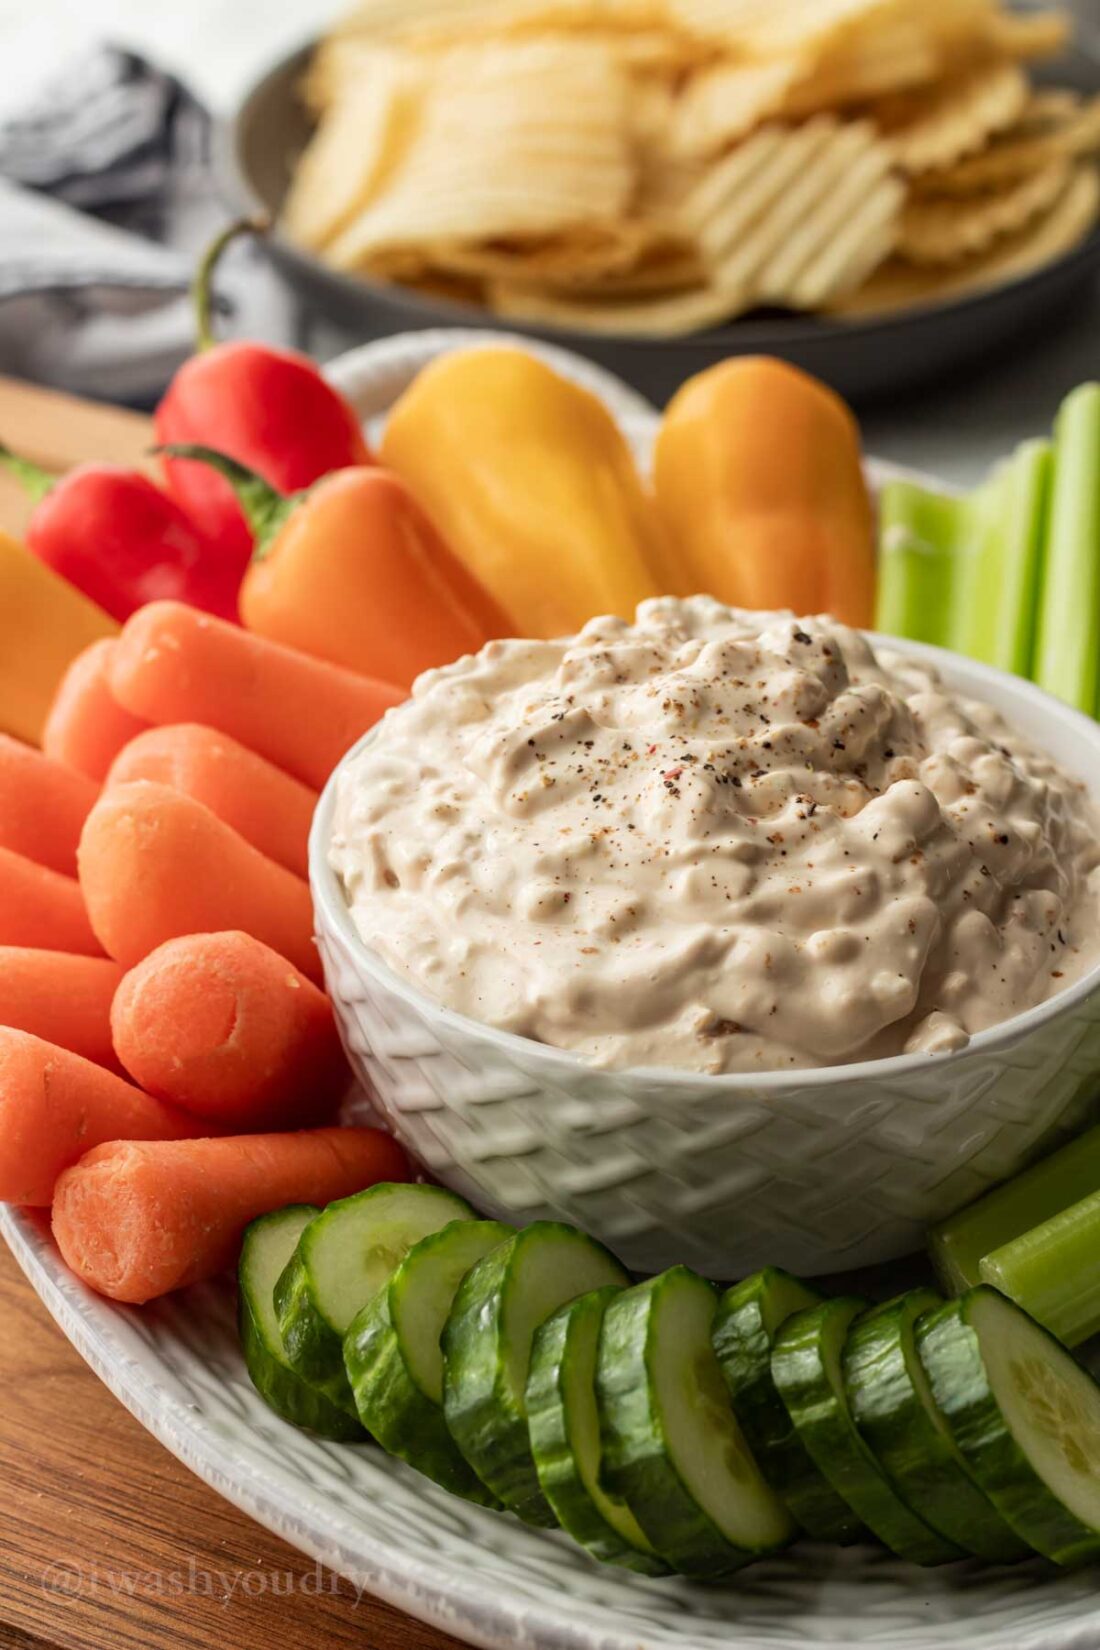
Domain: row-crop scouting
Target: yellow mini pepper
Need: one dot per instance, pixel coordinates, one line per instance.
(532, 484)
(759, 485)
(44, 624)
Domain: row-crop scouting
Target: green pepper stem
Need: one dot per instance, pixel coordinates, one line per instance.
(202, 287)
(35, 480)
(265, 508)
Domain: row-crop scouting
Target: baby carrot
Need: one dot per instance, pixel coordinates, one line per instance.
(175, 664)
(155, 864)
(224, 1027)
(42, 908)
(135, 1220)
(86, 726)
(55, 1105)
(269, 808)
(42, 805)
(61, 998)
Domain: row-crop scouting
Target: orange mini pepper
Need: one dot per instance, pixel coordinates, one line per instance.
(351, 570)
(759, 482)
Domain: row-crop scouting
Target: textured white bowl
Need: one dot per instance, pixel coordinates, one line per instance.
(817, 1171)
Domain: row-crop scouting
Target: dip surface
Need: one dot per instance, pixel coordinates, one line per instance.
(718, 840)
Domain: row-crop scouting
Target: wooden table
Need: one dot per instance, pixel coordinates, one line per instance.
(106, 1541)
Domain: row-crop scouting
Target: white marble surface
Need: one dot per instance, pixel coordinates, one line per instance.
(220, 45)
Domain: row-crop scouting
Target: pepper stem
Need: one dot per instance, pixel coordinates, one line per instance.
(202, 286)
(265, 508)
(35, 480)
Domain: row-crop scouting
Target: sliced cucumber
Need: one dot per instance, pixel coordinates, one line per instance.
(807, 1368)
(342, 1259)
(748, 1319)
(394, 1361)
(893, 1408)
(564, 1429)
(1025, 1416)
(487, 1350)
(672, 1447)
(267, 1246)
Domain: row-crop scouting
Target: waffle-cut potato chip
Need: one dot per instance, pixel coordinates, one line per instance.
(942, 124)
(794, 215)
(671, 315)
(945, 231)
(899, 285)
(1014, 158)
(728, 101)
(525, 139)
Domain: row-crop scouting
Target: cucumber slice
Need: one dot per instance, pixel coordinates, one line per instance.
(487, 1351)
(672, 1446)
(807, 1369)
(393, 1357)
(342, 1259)
(268, 1244)
(1025, 1416)
(893, 1408)
(564, 1429)
(748, 1319)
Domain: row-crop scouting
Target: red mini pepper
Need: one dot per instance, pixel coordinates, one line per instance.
(114, 535)
(270, 409)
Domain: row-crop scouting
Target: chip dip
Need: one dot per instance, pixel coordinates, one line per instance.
(717, 840)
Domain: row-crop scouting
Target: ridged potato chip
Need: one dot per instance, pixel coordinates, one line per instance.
(671, 315)
(1015, 157)
(940, 125)
(899, 285)
(768, 28)
(726, 102)
(945, 231)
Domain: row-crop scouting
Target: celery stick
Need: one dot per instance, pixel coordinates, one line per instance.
(995, 617)
(959, 1245)
(1067, 641)
(1053, 1271)
(919, 532)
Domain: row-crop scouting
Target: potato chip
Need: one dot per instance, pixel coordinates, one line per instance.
(524, 139)
(726, 102)
(1032, 34)
(900, 285)
(940, 125)
(945, 231)
(769, 28)
(1014, 158)
(673, 314)
(444, 22)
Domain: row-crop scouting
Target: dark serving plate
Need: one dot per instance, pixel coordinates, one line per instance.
(861, 358)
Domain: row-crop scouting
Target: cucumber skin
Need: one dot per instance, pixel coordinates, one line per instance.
(743, 1349)
(547, 1420)
(314, 1349)
(282, 1389)
(951, 1354)
(635, 1461)
(826, 1430)
(485, 1417)
(394, 1410)
(889, 1412)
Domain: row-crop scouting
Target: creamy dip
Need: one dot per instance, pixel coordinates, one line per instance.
(718, 840)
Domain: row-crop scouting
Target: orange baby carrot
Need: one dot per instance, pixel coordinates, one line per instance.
(42, 908)
(135, 1220)
(87, 727)
(62, 998)
(269, 808)
(55, 1105)
(175, 664)
(224, 1027)
(42, 805)
(155, 864)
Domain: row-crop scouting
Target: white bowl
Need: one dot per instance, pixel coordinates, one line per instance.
(818, 1171)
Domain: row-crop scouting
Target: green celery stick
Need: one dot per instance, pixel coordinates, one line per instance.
(1067, 640)
(919, 534)
(994, 615)
(959, 1245)
(1053, 1271)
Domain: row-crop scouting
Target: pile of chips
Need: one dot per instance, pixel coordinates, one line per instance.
(661, 166)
